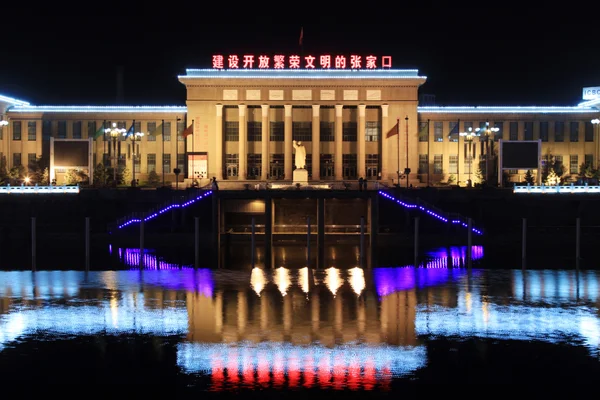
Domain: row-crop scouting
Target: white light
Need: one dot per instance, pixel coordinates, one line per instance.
(96, 109)
(504, 110)
(596, 121)
(303, 73)
(3, 123)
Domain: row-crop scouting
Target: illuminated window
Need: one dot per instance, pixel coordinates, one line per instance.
(167, 163)
(302, 131)
(438, 160)
(469, 164)
(372, 130)
(573, 164)
(232, 164)
(372, 165)
(438, 134)
(453, 166)
(167, 131)
(181, 161)
(349, 170)
(453, 131)
(276, 167)
(32, 131)
(254, 165)
(423, 164)
(151, 137)
(151, 158)
(423, 132)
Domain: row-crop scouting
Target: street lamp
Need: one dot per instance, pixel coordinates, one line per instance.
(596, 123)
(114, 133)
(469, 135)
(135, 137)
(488, 132)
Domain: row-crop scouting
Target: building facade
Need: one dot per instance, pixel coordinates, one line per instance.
(353, 123)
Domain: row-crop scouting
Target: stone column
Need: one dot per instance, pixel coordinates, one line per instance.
(219, 143)
(242, 142)
(265, 142)
(338, 142)
(288, 153)
(316, 143)
(362, 111)
(384, 142)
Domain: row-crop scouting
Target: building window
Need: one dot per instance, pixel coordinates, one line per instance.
(31, 160)
(349, 164)
(62, 129)
(107, 124)
(91, 129)
(254, 131)
(544, 131)
(47, 129)
(559, 131)
(16, 131)
(122, 159)
(573, 164)
(558, 162)
(309, 165)
(151, 158)
(372, 131)
(31, 131)
(302, 131)
(453, 131)
(151, 132)
(438, 134)
(137, 163)
(327, 131)
(438, 163)
(232, 164)
(423, 164)
(277, 131)
(372, 165)
(327, 166)
(77, 130)
(528, 130)
(469, 164)
(423, 131)
(513, 131)
(166, 163)
(167, 132)
(498, 134)
(589, 160)
(574, 131)
(589, 132)
(16, 159)
(232, 132)
(180, 129)
(453, 166)
(276, 167)
(181, 161)
(137, 127)
(349, 131)
(254, 166)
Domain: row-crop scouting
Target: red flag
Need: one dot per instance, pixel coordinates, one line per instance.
(301, 36)
(188, 131)
(394, 130)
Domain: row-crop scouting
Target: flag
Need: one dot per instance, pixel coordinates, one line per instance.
(99, 132)
(301, 36)
(131, 130)
(424, 132)
(188, 131)
(454, 131)
(394, 130)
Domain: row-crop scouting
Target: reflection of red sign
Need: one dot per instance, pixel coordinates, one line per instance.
(279, 61)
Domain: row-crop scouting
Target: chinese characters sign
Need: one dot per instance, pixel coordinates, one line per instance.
(279, 61)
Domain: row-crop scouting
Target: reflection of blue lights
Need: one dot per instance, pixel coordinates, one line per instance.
(131, 257)
(429, 212)
(168, 208)
(391, 280)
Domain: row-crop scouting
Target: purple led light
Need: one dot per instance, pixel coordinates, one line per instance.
(175, 205)
(428, 212)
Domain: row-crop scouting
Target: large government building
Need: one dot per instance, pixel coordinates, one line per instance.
(363, 122)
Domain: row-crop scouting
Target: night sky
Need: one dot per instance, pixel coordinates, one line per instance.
(501, 55)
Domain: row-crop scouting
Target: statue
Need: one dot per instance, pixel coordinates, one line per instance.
(300, 160)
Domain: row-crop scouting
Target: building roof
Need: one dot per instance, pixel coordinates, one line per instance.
(12, 101)
(304, 73)
(98, 109)
(506, 110)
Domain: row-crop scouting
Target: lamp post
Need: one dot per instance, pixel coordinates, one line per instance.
(596, 123)
(469, 135)
(488, 132)
(114, 133)
(135, 137)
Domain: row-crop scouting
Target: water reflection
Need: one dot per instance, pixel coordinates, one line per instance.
(333, 328)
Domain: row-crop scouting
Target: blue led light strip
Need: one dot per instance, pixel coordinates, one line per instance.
(429, 212)
(164, 210)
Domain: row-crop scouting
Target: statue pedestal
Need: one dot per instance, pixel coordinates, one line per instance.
(301, 176)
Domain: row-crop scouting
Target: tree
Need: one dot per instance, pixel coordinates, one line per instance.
(153, 179)
(37, 169)
(76, 177)
(46, 177)
(123, 176)
(529, 178)
(3, 170)
(553, 179)
(100, 175)
(587, 172)
(16, 174)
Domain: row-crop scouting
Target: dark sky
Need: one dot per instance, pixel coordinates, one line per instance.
(497, 54)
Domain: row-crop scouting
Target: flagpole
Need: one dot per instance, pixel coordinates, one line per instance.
(407, 170)
(398, 133)
(193, 158)
(163, 151)
(428, 168)
(458, 153)
(103, 154)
